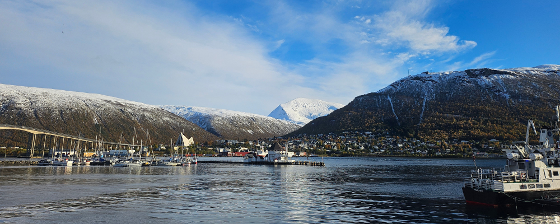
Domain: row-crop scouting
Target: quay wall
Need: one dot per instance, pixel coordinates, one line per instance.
(17, 162)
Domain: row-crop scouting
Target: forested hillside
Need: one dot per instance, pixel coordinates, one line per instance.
(474, 104)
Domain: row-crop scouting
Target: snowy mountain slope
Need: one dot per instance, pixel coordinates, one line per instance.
(88, 114)
(471, 104)
(301, 110)
(232, 124)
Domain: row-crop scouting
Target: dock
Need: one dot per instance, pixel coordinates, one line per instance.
(304, 163)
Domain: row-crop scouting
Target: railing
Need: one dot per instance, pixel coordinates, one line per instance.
(515, 176)
(493, 180)
(484, 174)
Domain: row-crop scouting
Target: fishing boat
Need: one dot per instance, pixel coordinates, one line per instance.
(276, 154)
(256, 157)
(531, 175)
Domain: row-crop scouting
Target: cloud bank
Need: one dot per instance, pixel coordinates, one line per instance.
(181, 53)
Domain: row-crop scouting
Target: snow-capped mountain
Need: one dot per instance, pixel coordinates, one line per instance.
(90, 115)
(233, 124)
(471, 104)
(301, 110)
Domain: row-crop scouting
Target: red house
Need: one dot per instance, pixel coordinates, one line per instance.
(240, 154)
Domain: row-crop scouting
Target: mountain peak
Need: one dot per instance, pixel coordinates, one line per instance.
(230, 124)
(302, 110)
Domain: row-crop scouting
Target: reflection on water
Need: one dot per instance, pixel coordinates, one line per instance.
(346, 190)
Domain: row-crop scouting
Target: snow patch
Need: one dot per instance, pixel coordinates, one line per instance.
(392, 108)
(301, 110)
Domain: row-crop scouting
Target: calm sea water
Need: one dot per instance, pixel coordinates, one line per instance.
(356, 190)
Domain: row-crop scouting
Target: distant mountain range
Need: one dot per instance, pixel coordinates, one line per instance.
(471, 104)
(301, 110)
(90, 115)
(235, 125)
(114, 119)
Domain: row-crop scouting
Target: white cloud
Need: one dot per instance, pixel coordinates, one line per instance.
(182, 58)
(278, 44)
(482, 59)
(395, 28)
(177, 54)
(478, 62)
(404, 27)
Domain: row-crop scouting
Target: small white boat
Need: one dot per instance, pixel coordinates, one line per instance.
(128, 163)
(62, 162)
(168, 162)
(189, 161)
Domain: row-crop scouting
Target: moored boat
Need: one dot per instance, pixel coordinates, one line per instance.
(45, 162)
(531, 175)
(128, 163)
(189, 160)
(101, 162)
(276, 154)
(62, 162)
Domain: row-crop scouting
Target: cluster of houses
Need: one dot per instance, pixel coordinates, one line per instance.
(363, 144)
(344, 144)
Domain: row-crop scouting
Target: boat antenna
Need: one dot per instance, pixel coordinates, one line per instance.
(557, 108)
(474, 160)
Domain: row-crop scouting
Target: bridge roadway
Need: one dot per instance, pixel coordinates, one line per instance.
(36, 131)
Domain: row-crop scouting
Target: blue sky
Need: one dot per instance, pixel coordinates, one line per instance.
(251, 56)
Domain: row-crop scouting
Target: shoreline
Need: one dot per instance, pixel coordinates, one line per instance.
(18, 161)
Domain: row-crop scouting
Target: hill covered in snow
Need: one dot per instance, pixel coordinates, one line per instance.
(92, 115)
(301, 110)
(233, 124)
(472, 104)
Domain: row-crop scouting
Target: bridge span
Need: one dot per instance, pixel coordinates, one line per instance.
(73, 140)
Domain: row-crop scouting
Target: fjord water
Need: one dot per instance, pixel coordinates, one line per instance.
(392, 190)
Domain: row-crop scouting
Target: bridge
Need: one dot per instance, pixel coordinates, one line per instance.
(73, 141)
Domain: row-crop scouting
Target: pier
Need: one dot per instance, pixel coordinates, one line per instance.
(305, 163)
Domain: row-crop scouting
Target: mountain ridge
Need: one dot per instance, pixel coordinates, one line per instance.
(471, 104)
(233, 124)
(90, 115)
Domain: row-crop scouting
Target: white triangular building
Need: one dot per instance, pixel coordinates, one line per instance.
(184, 141)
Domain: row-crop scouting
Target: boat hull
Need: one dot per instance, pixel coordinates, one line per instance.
(501, 199)
(100, 163)
(487, 198)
